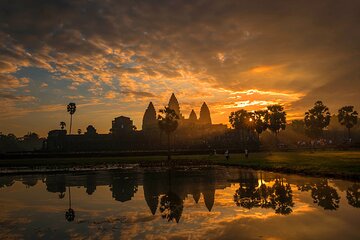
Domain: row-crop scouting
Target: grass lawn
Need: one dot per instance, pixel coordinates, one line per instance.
(344, 164)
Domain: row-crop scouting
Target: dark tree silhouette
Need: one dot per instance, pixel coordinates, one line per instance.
(71, 108)
(70, 213)
(167, 120)
(90, 130)
(325, 195)
(265, 193)
(316, 119)
(242, 122)
(353, 195)
(282, 197)
(348, 117)
(247, 195)
(62, 125)
(260, 121)
(276, 118)
(79, 131)
(171, 207)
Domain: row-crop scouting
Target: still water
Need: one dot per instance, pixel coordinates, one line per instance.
(182, 203)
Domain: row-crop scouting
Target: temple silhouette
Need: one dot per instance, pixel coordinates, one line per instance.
(192, 133)
(150, 122)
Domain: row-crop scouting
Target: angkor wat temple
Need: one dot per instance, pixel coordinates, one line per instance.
(192, 133)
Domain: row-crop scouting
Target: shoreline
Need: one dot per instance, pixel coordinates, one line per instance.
(329, 164)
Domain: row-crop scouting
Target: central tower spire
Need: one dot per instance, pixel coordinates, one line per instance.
(174, 105)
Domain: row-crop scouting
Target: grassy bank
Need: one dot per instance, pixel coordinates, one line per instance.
(329, 164)
(323, 163)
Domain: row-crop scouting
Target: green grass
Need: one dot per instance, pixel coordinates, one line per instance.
(344, 164)
(332, 164)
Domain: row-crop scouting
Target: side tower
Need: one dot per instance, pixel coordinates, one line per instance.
(192, 116)
(205, 117)
(149, 119)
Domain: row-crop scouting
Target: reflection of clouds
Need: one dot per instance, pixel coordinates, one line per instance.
(100, 217)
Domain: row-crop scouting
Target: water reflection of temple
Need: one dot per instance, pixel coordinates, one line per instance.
(166, 189)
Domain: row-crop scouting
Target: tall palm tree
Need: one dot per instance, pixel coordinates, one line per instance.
(240, 121)
(70, 213)
(348, 117)
(167, 120)
(260, 121)
(71, 108)
(62, 125)
(316, 120)
(276, 118)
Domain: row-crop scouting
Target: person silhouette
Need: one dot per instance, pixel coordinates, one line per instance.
(246, 153)
(227, 156)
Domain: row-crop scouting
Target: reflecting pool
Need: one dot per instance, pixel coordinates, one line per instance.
(179, 203)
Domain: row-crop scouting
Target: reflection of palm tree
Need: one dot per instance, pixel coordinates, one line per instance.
(325, 195)
(282, 197)
(71, 108)
(264, 193)
(171, 207)
(247, 196)
(61, 195)
(70, 213)
(353, 195)
(348, 117)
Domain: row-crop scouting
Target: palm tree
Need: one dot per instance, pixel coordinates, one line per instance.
(71, 108)
(348, 117)
(62, 125)
(353, 195)
(70, 213)
(241, 122)
(316, 119)
(276, 119)
(167, 120)
(260, 121)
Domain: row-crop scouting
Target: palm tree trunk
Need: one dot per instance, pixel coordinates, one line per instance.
(69, 198)
(70, 122)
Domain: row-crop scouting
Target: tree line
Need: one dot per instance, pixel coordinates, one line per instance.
(273, 118)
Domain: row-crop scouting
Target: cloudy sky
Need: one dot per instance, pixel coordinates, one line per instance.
(113, 57)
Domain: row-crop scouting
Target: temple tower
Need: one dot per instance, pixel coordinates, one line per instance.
(192, 116)
(174, 105)
(149, 119)
(205, 117)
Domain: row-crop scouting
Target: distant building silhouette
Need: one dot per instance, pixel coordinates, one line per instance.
(122, 125)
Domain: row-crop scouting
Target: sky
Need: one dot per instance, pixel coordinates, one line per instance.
(113, 57)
